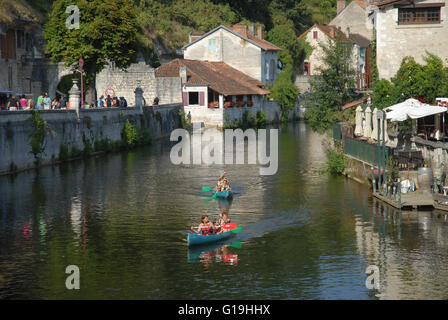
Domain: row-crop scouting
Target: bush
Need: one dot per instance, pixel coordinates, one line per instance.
(336, 161)
(284, 91)
(129, 135)
(261, 119)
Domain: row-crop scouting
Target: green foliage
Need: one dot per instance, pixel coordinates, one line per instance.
(391, 171)
(108, 32)
(133, 137)
(412, 80)
(332, 87)
(322, 119)
(261, 119)
(37, 135)
(104, 145)
(184, 121)
(248, 120)
(129, 135)
(375, 75)
(284, 91)
(336, 161)
(63, 151)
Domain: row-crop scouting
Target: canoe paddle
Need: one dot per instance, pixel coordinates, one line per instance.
(230, 226)
(209, 189)
(237, 230)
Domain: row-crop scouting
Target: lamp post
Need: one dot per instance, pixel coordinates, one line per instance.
(81, 65)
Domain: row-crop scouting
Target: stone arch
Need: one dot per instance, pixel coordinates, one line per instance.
(56, 74)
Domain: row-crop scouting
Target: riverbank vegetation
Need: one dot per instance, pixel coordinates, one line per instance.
(336, 160)
(37, 135)
(248, 120)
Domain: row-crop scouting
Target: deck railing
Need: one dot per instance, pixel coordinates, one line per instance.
(363, 150)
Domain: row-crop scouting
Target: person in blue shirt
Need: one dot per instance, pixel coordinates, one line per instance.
(100, 103)
(46, 101)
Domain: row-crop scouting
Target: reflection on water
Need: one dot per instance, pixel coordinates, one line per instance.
(217, 253)
(123, 220)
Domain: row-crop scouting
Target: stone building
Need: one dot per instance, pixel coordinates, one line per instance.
(24, 68)
(214, 92)
(409, 28)
(353, 16)
(120, 83)
(240, 47)
(351, 22)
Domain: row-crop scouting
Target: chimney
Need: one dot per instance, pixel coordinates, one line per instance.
(347, 32)
(183, 74)
(332, 33)
(260, 32)
(340, 5)
(241, 29)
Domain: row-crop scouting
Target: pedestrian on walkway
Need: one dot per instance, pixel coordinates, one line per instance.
(13, 103)
(23, 103)
(46, 101)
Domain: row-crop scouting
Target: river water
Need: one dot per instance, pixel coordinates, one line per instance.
(123, 220)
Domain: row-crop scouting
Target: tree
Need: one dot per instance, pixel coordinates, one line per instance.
(333, 86)
(108, 32)
(284, 91)
(413, 80)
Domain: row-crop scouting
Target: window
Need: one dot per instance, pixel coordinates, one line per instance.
(193, 98)
(419, 15)
(212, 45)
(306, 68)
(20, 39)
(314, 34)
(272, 69)
(267, 70)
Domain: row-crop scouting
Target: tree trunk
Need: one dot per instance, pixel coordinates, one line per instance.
(90, 92)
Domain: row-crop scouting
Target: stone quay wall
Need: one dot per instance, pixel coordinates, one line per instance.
(67, 134)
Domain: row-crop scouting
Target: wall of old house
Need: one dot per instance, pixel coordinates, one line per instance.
(394, 42)
(316, 57)
(24, 70)
(231, 49)
(353, 17)
(123, 83)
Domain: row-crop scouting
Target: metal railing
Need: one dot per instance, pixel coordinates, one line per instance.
(362, 150)
(337, 131)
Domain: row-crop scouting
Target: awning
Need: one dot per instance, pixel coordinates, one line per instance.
(412, 109)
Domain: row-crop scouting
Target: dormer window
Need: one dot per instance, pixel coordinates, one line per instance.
(212, 45)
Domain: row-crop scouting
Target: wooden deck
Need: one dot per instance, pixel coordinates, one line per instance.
(414, 200)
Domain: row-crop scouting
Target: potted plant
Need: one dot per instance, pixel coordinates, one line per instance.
(213, 104)
(227, 104)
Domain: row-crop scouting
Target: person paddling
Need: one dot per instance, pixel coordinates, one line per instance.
(223, 183)
(205, 227)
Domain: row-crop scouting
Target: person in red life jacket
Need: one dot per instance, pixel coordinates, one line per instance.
(219, 185)
(217, 227)
(205, 227)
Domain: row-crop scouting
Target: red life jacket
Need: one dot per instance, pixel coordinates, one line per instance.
(205, 230)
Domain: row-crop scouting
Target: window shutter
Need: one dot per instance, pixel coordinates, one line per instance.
(185, 94)
(201, 99)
